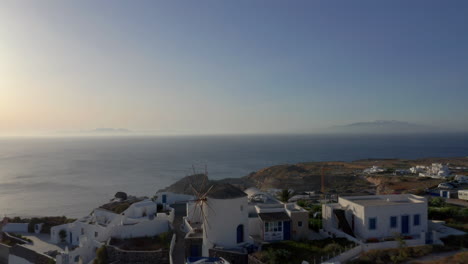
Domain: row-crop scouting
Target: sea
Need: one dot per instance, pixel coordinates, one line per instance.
(70, 176)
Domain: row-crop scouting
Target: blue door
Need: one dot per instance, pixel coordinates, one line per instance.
(405, 224)
(240, 234)
(71, 238)
(164, 198)
(287, 230)
(195, 251)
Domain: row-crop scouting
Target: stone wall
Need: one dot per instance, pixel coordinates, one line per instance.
(232, 256)
(4, 253)
(137, 257)
(30, 255)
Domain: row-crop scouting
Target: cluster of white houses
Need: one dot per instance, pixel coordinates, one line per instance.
(227, 224)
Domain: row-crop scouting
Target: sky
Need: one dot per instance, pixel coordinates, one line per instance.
(247, 66)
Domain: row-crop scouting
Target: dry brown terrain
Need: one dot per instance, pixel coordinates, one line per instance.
(341, 177)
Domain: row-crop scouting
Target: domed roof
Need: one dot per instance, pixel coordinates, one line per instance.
(225, 191)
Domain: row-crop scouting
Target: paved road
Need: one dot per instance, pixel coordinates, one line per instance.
(178, 254)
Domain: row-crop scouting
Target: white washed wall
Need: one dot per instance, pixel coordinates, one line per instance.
(16, 227)
(172, 198)
(147, 228)
(12, 259)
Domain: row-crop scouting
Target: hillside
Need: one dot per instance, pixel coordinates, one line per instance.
(341, 177)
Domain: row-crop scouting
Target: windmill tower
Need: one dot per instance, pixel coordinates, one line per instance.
(223, 212)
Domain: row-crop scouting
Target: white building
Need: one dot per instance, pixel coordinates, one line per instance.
(373, 169)
(377, 216)
(277, 222)
(417, 169)
(461, 178)
(436, 170)
(172, 198)
(463, 194)
(85, 235)
(272, 220)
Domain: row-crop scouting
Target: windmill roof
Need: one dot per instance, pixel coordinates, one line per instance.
(225, 191)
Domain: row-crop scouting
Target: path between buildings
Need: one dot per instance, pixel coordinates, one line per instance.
(41, 243)
(178, 254)
(457, 202)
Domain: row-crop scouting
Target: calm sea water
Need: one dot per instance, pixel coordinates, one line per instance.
(70, 176)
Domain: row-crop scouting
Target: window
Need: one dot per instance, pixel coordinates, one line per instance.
(96, 234)
(82, 231)
(372, 223)
(273, 226)
(393, 221)
(416, 220)
(299, 224)
(77, 258)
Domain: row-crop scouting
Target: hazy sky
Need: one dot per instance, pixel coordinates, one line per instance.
(248, 66)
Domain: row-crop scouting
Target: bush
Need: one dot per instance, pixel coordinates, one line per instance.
(62, 235)
(333, 247)
(437, 202)
(279, 256)
(21, 237)
(316, 208)
(301, 203)
(101, 256)
(315, 224)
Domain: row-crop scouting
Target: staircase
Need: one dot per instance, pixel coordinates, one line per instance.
(342, 222)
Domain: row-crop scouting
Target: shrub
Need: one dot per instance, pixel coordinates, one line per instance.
(301, 203)
(315, 224)
(333, 247)
(279, 256)
(21, 237)
(101, 256)
(316, 208)
(62, 235)
(437, 202)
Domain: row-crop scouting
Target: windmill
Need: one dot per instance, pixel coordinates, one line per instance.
(200, 202)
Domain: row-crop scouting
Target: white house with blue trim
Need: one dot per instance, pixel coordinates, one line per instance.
(377, 216)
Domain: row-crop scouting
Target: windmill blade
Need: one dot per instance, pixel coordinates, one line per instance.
(195, 191)
(206, 193)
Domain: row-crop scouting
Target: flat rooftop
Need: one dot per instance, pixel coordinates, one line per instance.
(382, 200)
